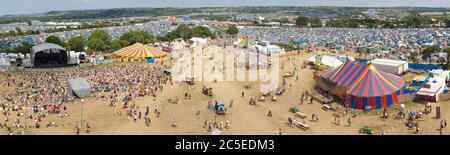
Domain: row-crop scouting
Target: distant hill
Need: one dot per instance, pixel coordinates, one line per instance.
(153, 12)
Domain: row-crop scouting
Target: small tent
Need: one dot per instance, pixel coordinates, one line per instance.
(330, 61)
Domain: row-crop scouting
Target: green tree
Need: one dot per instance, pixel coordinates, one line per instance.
(388, 24)
(24, 48)
(7, 51)
(97, 44)
(76, 44)
(31, 32)
(115, 44)
(201, 31)
(447, 50)
(163, 38)
(119, 44)
(315, 22)
(99, 40)
(353, 24)
(414, 57)
(139, 36)
(101, 34)
(447, 22)
(428, 51)
(29, 23)
(182, 31)
(232, 30)
(19, 31)
(12, 33)
(302, 21)
(413, 21)
(54, 39)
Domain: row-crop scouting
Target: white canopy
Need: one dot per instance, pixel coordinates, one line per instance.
(331, 61)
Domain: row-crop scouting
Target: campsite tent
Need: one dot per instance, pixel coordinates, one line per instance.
(178, 44)
(365, 85)
(197, 41)
(139, 50)
(79, 87)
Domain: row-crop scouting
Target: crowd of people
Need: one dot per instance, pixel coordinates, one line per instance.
(35, 95)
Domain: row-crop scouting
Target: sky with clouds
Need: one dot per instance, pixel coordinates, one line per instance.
(39, 6)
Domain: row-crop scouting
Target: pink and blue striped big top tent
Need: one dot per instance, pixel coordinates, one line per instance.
(366, 85)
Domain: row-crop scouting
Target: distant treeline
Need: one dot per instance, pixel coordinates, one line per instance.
(154, 12)
(410, 21)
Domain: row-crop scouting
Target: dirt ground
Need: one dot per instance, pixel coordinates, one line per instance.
(244, 118)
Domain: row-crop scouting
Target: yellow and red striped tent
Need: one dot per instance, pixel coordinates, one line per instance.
(139, 50)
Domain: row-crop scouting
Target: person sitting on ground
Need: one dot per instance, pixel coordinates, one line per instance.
(88, 128)
(270, 113)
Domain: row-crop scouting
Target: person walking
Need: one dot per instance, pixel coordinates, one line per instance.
(77, 128)
(301, 99)
(349, 121)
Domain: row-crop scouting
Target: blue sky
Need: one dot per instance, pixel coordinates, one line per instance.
(40, 6)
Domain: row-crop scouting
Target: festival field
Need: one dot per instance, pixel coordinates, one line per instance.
(243, 118)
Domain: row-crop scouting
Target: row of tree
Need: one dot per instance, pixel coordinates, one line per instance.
(100, 40)
(410, 21)
(18, 32)
(303, 21)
